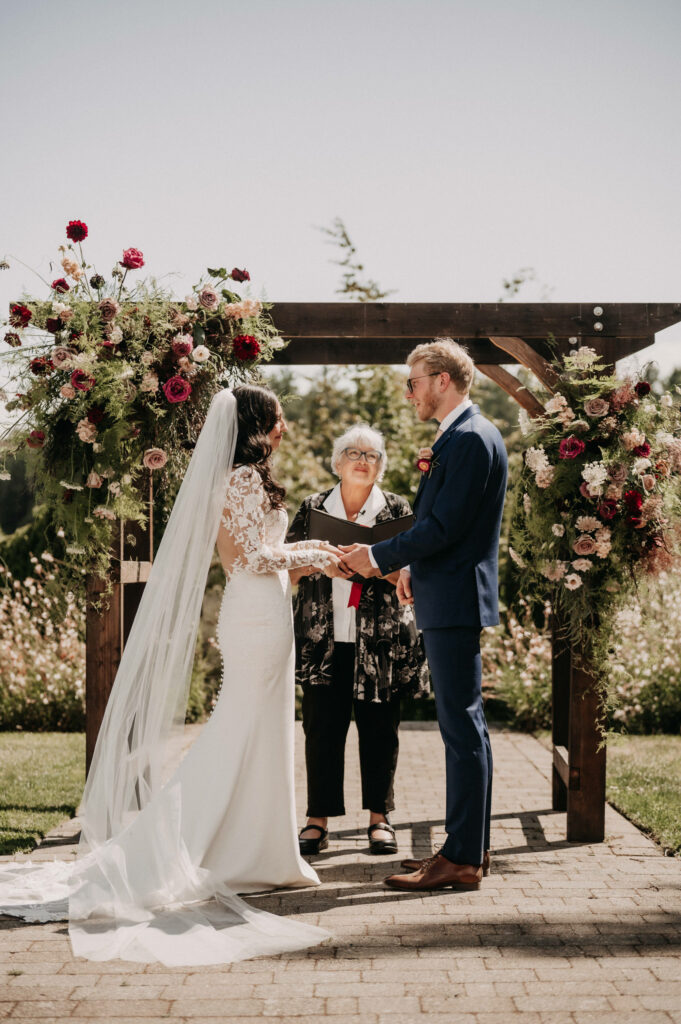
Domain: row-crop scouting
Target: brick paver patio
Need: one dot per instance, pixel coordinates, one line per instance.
(559, 932)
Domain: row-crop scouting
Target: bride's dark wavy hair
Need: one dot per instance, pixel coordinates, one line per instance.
(256, 410)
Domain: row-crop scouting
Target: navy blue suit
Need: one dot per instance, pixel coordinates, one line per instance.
(452, 550)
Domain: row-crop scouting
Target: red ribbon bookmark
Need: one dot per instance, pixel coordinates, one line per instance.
(355, 594)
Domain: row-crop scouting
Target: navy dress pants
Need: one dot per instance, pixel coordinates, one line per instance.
(455, 667)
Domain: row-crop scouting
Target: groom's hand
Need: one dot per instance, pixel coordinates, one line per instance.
(404, 594)
(356, 559)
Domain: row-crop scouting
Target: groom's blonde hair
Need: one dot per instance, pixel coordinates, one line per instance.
(444, 355)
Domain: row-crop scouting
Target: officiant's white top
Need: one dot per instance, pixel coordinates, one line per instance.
(344, 618)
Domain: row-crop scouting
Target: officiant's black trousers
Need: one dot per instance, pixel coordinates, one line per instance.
(327, 711)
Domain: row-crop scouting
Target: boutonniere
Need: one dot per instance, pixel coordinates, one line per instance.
(425, 461)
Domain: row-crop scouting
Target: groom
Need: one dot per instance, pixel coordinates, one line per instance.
(449, 571)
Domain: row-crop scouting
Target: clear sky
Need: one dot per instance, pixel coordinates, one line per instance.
(458, 140)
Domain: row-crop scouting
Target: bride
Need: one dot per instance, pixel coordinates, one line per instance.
(168, 841)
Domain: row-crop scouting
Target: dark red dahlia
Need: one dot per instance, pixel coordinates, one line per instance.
(76, 230)
(633, 500)
(40, 366)
(608, 509)
(61, 285)
(107, 349)
(246, 347)
(19, 314)
(82, 381)
(53, 324)
(642, 449)
(240, 275)
(570, 447)
(13, 339)
(95, 414)
(36, 439)
(642, 388)
(133, 259)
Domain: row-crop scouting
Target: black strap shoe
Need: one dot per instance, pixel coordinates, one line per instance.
(382, 845)
(312, 846)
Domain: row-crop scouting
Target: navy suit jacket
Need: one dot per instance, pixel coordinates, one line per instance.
(453, 548)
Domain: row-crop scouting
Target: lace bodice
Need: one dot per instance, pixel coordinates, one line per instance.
(251, 534)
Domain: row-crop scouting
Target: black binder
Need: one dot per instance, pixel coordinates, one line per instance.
(323, 526)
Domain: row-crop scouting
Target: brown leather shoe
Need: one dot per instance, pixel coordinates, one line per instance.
(438, 873)
(414, 865)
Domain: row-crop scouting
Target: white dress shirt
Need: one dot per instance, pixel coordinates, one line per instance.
(344, 618)
(445, 424)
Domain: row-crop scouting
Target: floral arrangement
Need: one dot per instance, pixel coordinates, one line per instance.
(113, 381)
(596, 495)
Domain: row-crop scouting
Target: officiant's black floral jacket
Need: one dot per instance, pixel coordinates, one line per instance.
(389, 653)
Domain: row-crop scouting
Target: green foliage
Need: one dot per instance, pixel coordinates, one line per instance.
(42, 782)
(352, 284)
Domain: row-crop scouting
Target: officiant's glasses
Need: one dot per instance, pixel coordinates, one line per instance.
(355, 454)
(410, 380)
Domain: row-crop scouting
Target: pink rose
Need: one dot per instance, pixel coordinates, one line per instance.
(154, 458)
(209, 298)
(584, 545)
(177, 389)
(596, 407)
(133, 259)
(648, 481)
(86, 431)
(618, 473)
(67, 391)
(183, 344)
(108, 310)
(61, 356)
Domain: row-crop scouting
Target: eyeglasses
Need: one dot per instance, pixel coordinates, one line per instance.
(355, 454)
(410, 380)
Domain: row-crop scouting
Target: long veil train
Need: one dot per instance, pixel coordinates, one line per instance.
(134, 891)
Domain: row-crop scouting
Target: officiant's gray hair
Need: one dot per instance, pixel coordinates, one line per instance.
(353, 438)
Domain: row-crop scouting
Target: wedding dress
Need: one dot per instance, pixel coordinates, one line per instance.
(168, 843)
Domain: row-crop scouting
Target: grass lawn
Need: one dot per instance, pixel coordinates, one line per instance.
(644, 783)
(41, 781)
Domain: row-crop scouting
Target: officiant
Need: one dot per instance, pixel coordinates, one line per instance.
(357, 651)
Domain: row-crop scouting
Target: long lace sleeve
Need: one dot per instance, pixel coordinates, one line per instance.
(242, 537)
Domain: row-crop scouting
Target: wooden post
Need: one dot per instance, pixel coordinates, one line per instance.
(560, 715)
(107, 631)
(586, 789)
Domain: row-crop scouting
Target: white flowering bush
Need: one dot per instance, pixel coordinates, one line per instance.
(42, 651)
(516, 668)
(644, 658)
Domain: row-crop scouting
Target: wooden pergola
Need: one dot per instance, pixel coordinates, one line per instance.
(384, 333)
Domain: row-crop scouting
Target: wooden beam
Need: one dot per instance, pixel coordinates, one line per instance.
(417, 320)
(529, 358)
(342, 351)
(512, 386)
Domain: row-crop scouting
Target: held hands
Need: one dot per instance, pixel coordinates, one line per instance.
(334, 566)
(356, 559)
(404, 594)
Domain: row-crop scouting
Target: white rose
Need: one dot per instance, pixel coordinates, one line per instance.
(558, 530)
(191, 302)
(200, 354)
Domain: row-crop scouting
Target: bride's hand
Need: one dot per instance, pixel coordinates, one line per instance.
(333, 568)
